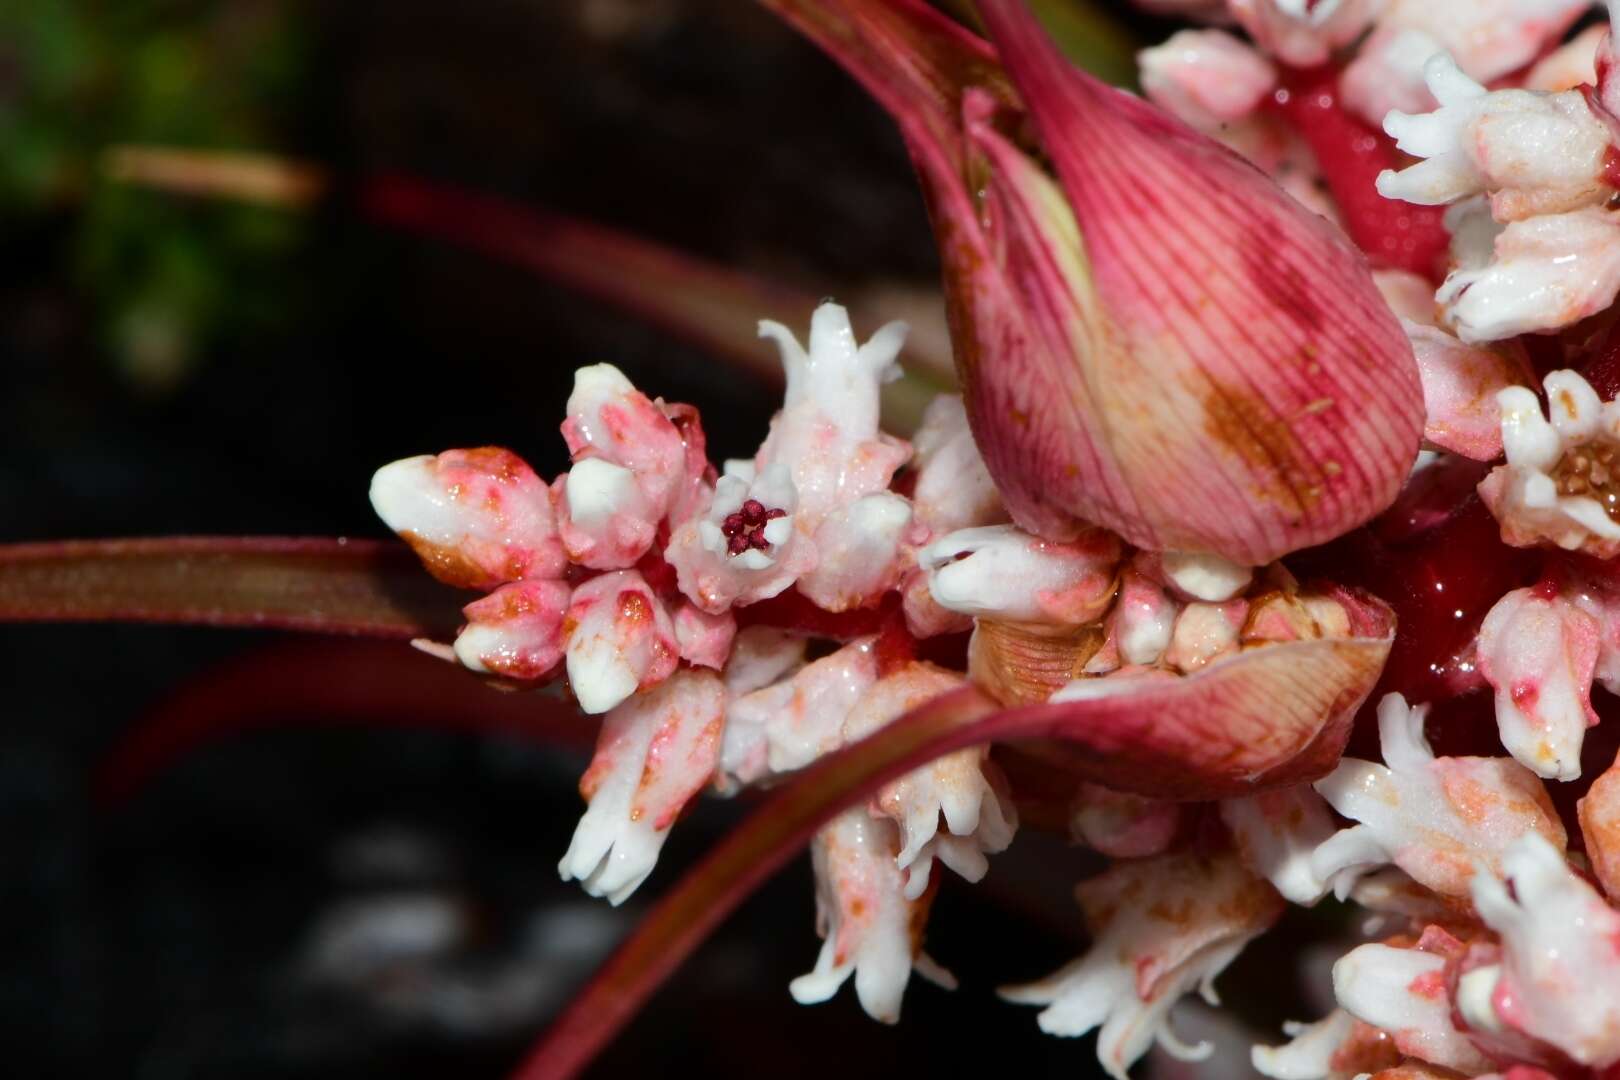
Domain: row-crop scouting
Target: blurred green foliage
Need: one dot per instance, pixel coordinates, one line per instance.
(162, 277)
(1092, 37)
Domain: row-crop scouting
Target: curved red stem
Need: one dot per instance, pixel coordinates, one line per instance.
(1167, 736)
(327, 684)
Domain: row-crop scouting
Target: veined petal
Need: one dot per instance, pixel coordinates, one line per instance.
(1264, 717)
(1234, 335)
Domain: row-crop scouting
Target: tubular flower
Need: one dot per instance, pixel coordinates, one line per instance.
(478, 518)
(516, 631)
(629, 461)
(655, 752)
(1435, 818)
(620, 640)
(868, 925)
(1276, 833)
(1402, 990)
(963, 789)
(1559, 485)
(787, 724)
(1544, 258)
(1162, 928)
(1559, 979)
(1539, 649)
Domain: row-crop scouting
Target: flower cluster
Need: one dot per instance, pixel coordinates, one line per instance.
(1168, 407)
(1497, 949)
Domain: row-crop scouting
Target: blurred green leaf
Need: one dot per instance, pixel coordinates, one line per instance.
(1085, 30)
(163, 277)
(1092, 37)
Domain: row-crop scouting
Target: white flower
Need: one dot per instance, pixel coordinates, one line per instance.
(704, 639)
(1309, 1053)
(788, 724)
(963, 788)
(1559, 979)
(1435, 818)
(1206, 77)
(860, 553)
(1161, 927)
(1204, 576)
(477, 518)
(1143, 619)
(1547, 272)
(629, 464)
(515, 631)
(1487, 38)
(1539, 653)
(868, 925)
(954, 489)
(747, 546)
(655, 752)
(1276, 833)
(760, 655)
(1535, 153)
(1203, 632)
(1403, 991)
(827, 432)
(1562, 476)
(1002, 572)
(620, 640)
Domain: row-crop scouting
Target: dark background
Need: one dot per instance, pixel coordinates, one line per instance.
(325, 899)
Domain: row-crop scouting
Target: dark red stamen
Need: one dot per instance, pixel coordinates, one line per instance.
(745, 529)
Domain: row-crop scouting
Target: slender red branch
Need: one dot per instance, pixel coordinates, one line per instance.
(1272, 716)
(714, 307)
(335, 586)
(710, 305)
(741, 862)
(328, 684)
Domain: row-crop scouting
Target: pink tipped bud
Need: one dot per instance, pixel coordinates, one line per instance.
(515, 631)
(619, 640)
(477, 518)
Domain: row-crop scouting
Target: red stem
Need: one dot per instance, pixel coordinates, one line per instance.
(322, 684)
(335, 586)
(741, 862)
(692, 299)
(1205, 736)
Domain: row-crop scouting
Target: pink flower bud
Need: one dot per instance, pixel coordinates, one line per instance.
(477, 518)
(620, 640)
(515, 631)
